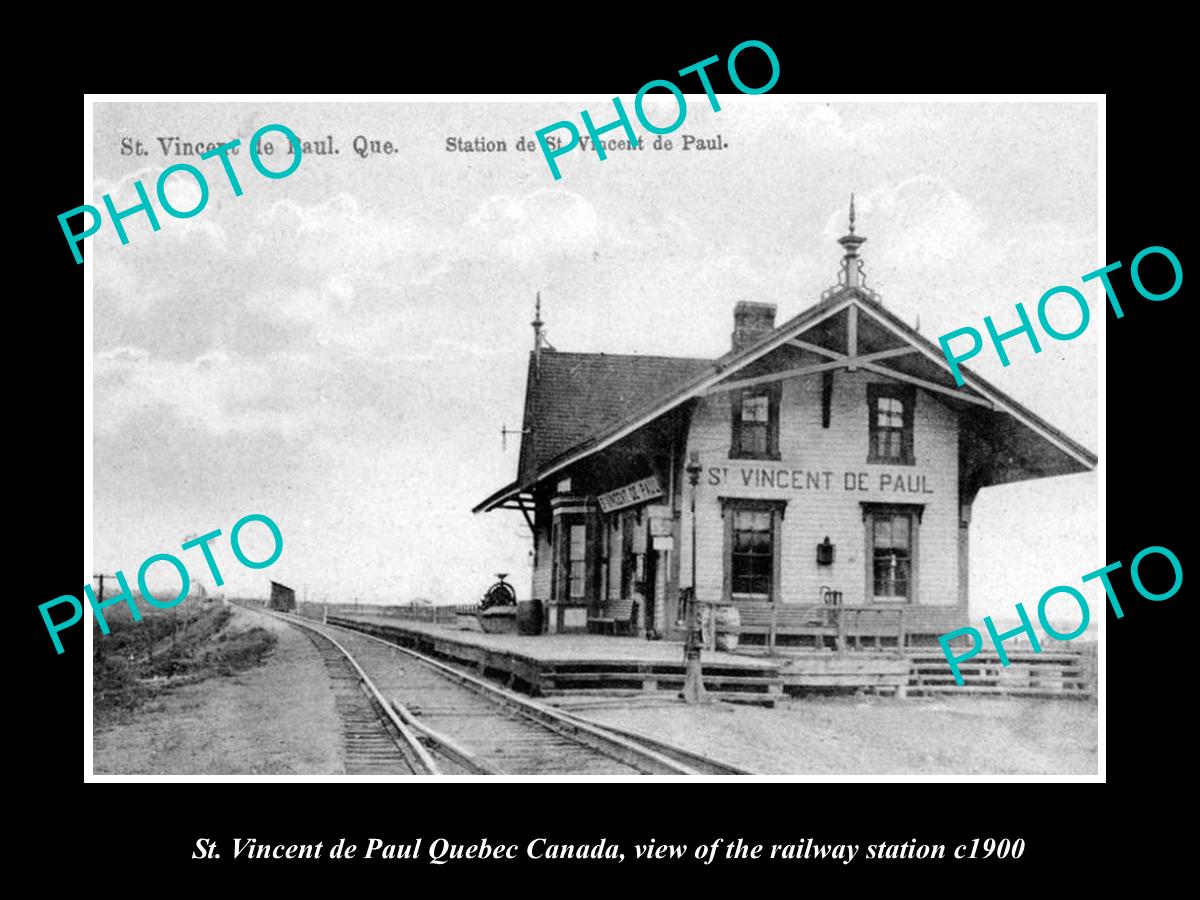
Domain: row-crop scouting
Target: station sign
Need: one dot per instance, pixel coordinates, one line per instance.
(631, 494)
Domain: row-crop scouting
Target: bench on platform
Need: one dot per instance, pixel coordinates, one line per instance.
(619, 617)
(843, 624)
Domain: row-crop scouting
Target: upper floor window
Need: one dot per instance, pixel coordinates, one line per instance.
(756, 423)
(891, 409)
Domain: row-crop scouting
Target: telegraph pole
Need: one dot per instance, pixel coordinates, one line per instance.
(100, 576)
(101, 579)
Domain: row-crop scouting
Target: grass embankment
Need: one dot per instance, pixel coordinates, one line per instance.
(167, 648)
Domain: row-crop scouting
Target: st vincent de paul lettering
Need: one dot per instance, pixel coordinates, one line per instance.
(811, 480)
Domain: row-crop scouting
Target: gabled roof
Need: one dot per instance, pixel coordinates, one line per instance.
(571, 396)
(1022, 444)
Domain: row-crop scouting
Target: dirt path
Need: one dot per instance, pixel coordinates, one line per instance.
(835, 736)
(277, 719)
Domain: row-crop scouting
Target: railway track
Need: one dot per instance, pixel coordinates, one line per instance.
(703, 764)
(375, 740)
(465, 725)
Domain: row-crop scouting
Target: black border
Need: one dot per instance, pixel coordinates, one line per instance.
(136, 827)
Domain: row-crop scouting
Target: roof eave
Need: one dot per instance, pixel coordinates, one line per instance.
(505, 493)
(1082, 457)
(982, 386)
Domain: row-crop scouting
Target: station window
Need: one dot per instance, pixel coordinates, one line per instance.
(752, 552)
(755, 423)
(570, 575)
(577, 557)
(891, 409)
(752, 543)
(891, 551)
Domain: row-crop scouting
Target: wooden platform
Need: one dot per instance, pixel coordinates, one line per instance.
(816, 672)
(580, 666)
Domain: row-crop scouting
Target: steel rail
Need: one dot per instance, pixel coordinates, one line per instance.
(659, 753)
(699, 761)
(418, 757)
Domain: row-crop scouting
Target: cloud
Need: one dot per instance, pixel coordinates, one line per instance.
(183, 191)
(183, 194)
(117, 285)
(544, 223)
(213, 390)
(811, 128)
(927, 220)
(339, 237)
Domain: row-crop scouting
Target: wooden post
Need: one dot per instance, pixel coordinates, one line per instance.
(900, 632)
(841, 628)
(851, 331)
(774, 627)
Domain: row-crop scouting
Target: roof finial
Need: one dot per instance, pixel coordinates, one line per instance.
(539, 335)
(851, 264)
(851, 275)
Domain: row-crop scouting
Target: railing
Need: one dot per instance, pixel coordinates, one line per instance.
(423, 612)
(413, 612)
(845, 624)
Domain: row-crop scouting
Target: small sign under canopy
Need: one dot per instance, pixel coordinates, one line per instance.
(637, 492)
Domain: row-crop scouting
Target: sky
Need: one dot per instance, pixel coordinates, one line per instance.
(338, 349)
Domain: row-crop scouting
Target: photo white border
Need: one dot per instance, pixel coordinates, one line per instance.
(89, 102)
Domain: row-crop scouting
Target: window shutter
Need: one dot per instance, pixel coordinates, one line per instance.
(776, 550)
(872, 421)
(591, 578)
(556, 566)
(735, 444)
(910, 404)
(773, 422)
(727, 580)
(626, 557)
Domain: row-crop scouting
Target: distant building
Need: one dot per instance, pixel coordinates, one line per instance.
(839, 463)
(283, 598)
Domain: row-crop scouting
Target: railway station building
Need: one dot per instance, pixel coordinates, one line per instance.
(838, 466)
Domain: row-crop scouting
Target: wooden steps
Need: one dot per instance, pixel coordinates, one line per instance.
(1060, 673)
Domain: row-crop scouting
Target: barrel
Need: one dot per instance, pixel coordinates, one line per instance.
(706, 624)
(529, 617)
(727, 618)
(723, 617)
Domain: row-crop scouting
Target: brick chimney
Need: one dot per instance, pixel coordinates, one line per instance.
(750, 322)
